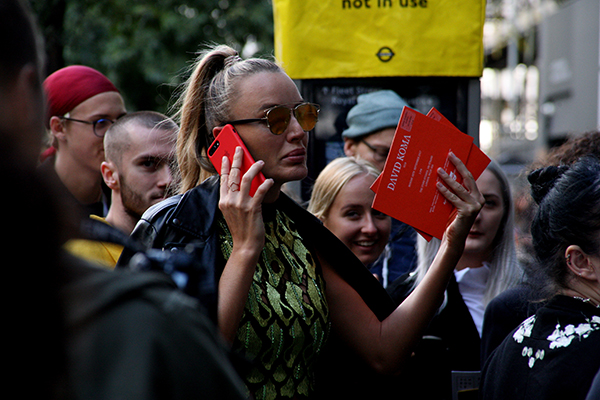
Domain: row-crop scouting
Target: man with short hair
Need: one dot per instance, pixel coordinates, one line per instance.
(139, 151)
(82, 104)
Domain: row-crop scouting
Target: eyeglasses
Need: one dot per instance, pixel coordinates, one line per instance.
(99, 126)
(278, 117)
(381, 153)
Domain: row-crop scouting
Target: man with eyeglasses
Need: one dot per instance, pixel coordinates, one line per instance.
(82, 105)
(371, 126)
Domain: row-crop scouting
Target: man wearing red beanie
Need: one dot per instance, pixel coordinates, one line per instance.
(82, 104)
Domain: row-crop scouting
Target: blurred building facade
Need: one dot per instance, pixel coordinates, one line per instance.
(540, 82)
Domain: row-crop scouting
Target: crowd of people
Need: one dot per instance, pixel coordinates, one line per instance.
(333, 300)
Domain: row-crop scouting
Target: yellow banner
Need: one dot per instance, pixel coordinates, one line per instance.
(317, 39)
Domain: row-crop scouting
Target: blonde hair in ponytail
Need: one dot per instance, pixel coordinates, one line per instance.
(205, 103)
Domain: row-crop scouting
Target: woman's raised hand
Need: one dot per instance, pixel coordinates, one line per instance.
(466, 198)
(243, 213)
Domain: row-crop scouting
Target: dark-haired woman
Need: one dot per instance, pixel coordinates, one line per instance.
(285, 283)
(555, 354)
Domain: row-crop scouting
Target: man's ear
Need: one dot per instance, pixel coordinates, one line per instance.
(110, 175)
(579, 262)
(350, 147)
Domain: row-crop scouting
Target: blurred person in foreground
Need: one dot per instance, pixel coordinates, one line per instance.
(77, 331)
(32, 271)
(554, 354)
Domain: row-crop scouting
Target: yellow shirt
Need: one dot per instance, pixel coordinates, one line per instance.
(104, 253)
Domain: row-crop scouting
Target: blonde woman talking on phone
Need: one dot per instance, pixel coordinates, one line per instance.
(286, 285)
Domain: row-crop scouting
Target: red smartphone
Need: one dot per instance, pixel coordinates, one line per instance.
(224, 145)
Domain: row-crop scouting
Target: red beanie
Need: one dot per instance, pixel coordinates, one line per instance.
(70, 86)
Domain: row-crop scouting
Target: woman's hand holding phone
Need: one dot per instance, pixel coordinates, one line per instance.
(242, 212)
(225, 145)
(243, 187)
(243, 215)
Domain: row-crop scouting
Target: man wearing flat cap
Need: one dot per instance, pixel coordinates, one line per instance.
(82, 104)
(371, 126)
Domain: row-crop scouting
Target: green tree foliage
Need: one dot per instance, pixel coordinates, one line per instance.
(146, 46)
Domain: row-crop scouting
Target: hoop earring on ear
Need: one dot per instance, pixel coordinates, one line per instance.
(568, 260)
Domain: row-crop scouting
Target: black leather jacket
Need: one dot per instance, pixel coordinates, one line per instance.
(190, 218)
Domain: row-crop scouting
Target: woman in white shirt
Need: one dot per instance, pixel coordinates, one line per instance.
(487, 267)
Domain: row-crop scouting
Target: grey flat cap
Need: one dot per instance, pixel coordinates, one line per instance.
(373, 112)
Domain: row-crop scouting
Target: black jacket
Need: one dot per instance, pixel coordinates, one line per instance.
(450, 343)
(190, 219)
(135, 336)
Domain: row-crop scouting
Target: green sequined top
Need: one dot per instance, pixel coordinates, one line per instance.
(285, 323)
